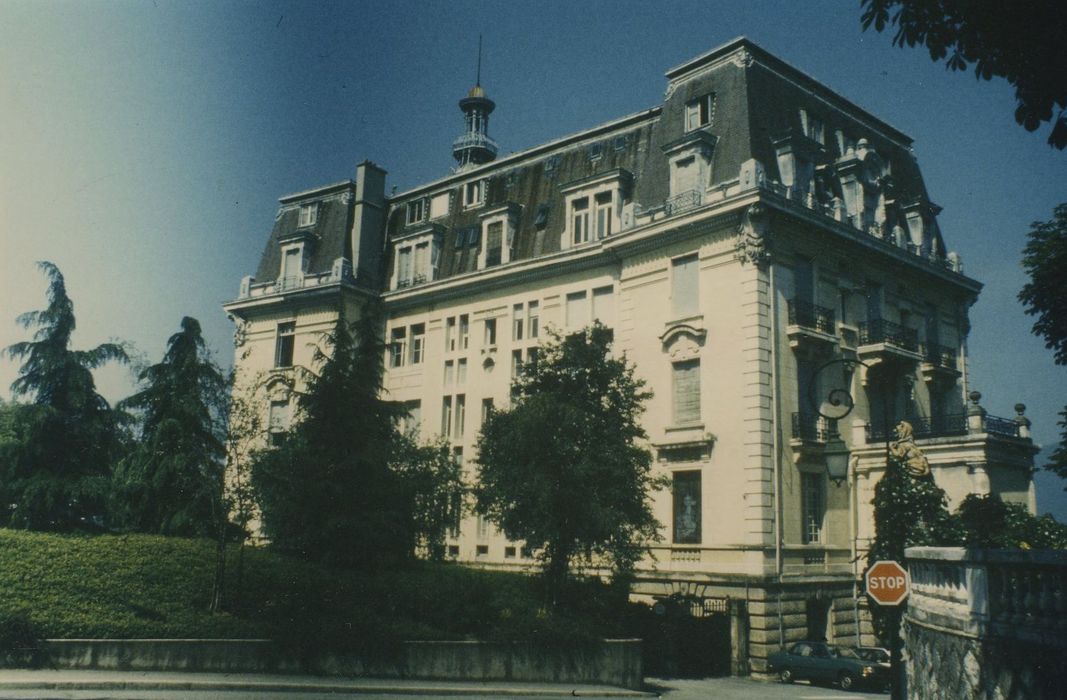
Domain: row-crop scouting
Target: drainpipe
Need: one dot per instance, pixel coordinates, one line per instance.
(776, 446)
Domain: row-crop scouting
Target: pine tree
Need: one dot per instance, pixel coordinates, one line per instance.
(57, 474)
(171, 483)
(329, 492)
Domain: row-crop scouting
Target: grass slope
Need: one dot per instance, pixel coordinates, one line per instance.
(145, 586)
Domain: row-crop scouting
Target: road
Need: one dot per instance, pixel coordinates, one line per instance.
(669, 689)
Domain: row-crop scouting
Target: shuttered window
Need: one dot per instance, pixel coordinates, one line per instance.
(686, 496)
(604, 306)
(577, 310)
(685, 289)
(686, 385)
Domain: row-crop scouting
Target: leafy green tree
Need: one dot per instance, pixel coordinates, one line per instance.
(564, 469)
(67, 440)
(908, 512)
(1022, 42)
(987, 521)
(1045, 296)
(172, 482)
(433, 482)
(329, 492)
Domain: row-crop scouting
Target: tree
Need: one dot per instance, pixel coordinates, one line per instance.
(1045, 296)
(433, 485)
(172, 482)
(328, 493)
(1021, 42)
(68, 439)
(564, 468)
(909, 511)
(987, 521)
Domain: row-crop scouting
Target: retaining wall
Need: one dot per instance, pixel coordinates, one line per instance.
(610, 662)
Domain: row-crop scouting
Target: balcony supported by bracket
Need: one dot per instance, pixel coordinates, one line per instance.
(811, 329)
(888, 344)
(939, 366)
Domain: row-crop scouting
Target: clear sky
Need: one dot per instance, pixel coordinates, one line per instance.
(143, 145)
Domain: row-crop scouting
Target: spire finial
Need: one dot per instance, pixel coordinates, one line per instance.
(478, 80)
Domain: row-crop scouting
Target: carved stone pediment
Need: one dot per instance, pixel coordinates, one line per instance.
(683, 340)
(279, 387)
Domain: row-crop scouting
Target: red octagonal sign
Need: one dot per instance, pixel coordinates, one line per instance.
(887, 583)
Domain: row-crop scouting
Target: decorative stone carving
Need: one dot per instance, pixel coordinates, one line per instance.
(743, 59)
(904, 448)
(279, 388)
(754, 243)
(683, 341)
(240, 332)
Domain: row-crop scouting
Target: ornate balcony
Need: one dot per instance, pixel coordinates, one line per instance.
(475, 141)
(882, 341)
(811, 327)
(925, 427)
(683, 201)
(939, 364)
(810, 435)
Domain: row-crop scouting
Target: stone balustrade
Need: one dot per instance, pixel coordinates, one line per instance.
(985, 623)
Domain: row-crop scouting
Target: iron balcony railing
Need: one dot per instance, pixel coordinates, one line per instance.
(940, 356)
(475, 141)
(808, 315)
(882, 331)
(943, 426)
(683, 201)
(813, 427)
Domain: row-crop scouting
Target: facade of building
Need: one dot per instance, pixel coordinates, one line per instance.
(739, 238)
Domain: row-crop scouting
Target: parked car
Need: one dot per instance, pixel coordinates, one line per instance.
(878, 655)
(819, 662)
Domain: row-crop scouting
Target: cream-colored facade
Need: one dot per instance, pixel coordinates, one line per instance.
(741, 239)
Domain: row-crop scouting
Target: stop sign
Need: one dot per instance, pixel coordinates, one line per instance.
(887, 583)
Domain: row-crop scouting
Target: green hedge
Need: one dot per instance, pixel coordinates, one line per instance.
(144, 586)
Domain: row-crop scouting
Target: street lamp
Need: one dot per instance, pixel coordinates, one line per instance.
(836, 453)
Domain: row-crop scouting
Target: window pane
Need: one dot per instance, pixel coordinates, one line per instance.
(577, 310)
(517, 322)
(685, 292)
(531, 316)
(464, 332)
(450, 373)
(418, 339)
(283, 348)
(604, 305)
(686, 391)
(494, 241)
(686, 496)
(446, 415)
(397, 347)
(490, 331)
(461, 414)
(461, 371)
(604, 211)
(813, 506)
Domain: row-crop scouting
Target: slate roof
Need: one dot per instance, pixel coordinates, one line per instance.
(758, 99)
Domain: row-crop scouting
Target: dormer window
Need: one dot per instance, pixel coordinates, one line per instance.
(500, 224)
(417, 256)
(308, 214)
(292, 273)
(594, 208)
(473, 194)
(416, 211)
(699, 112)
(440, 204)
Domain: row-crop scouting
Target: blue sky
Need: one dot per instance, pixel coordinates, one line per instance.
(143, 145)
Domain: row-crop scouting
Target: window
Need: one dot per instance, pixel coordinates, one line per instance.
(494, 243)
(531, 319)
(619, 143)
(412, 416)
(453, 549)
(283, 344)
(460, 416)
(816, 130)
(487, 409)
(531, 358)
(416, 211)
(526, 552)
(483, 527)
(518, 323)
(421, 260)
(397, 347)
(685, 291)
(464, 332)
(604, 209)
(481, 550)
(604, 305)
(509, 552)
(580, 220)
(278, 421)
(577, 310)
(446, 415)
(450, 334)
(516, 364)
(686, 385)
(450, 372)
(455, 514)
(292, 266)
(813, 506)
(439, 205)
(685, 493)
(308, 214)
(403, 267)
(473, 193)
(698, 113)
(461, 371)
(490, 332)
(595, 151)
(418, 341)
(541, 218)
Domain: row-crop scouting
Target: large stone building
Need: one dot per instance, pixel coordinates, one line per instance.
(737, 238)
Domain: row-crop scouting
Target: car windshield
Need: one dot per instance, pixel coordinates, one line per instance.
(873, 654)
(845, 652)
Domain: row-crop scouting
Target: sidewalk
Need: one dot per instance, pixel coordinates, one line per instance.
(27, 680)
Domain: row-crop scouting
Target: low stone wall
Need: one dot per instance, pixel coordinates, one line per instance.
(986, 624)
(611, 662)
